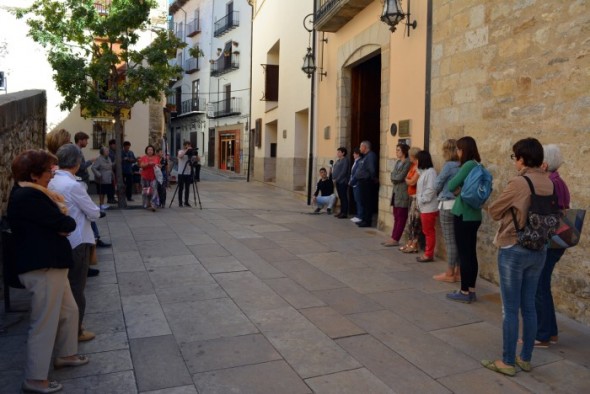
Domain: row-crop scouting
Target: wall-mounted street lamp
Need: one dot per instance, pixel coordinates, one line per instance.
(309, 66)
(393, 14)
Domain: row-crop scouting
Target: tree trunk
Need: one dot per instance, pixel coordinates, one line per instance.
(119, 129)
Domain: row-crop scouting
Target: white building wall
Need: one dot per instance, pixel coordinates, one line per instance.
(280, 38)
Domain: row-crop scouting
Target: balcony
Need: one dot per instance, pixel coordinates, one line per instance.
(223, 108)
(227, 23)
(171, 104)
(331, 15)
(193, 27)
(191, 65)
(102, 7)
(196, 104)
(224, 64)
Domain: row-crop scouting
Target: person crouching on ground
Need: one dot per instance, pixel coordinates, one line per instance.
(83, 210)
(40, 224)
(325, 187)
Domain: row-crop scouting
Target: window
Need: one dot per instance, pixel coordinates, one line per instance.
(102, 132)
(271, 82)
(258, 128)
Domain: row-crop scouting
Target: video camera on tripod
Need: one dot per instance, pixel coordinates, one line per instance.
(192, 152)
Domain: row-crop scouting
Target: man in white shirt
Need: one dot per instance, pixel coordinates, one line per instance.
(83, 210)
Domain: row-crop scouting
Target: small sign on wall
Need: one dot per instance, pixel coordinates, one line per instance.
(404, 128)
(327, 132)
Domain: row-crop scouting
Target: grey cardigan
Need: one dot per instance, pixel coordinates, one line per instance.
(103, 170)
(399, 197)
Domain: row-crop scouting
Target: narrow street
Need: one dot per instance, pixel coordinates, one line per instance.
(253, 294)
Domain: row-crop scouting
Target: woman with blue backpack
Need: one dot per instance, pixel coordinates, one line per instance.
(467, 220)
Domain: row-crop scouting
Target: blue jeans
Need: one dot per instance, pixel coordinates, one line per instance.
(546, 322)
(326, 200)
(520, 270)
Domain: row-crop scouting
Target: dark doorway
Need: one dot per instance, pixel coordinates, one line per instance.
(365, 108)
(211, 148)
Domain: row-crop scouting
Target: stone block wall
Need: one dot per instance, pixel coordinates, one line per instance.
(22, 126)
(502, 71)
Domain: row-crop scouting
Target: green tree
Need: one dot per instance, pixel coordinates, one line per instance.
(93, 50)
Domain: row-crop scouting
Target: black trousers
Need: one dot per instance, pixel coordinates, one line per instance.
(184, 184)
(367, 190)
(342, 189)
(466, 238)
(128, 179)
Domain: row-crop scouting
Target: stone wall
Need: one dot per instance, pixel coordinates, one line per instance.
(22, 126)
(502, 71)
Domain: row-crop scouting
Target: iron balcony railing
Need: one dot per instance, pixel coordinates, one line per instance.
(191, 65)
(171, 103)
(225, 64)
(193, 27)
(331, 15)
(102, 7)
(196, 104)
(227, 107)
(227, 23)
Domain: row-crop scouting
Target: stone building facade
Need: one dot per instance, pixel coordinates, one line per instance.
(22, 126)
(502, 71)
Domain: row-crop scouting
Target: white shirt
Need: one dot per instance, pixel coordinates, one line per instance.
(183, 159)
(80, 206)
(426, 191)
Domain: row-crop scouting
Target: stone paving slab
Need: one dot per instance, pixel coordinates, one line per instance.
(347, 301)
(483, 381)
(144, 316)
(332, 323)
(307, 275)
(189, 292)
(207, 319)
(158, 363)
(427, 352)
(229, 352)
(112, 383)
(395, 371)
(310, 352)
(434, 312)
(349, 382)
(294, 294)
(267, 378)
(174, 390)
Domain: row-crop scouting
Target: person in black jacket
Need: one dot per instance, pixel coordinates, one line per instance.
(39, 223)
(324, 192)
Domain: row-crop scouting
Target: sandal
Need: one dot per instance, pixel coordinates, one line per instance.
(409, 249)
(524, 365)
(491, 365)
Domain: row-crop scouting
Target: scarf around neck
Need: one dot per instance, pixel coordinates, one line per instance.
(57, 198)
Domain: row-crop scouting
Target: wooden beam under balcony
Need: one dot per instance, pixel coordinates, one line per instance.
(331, 15)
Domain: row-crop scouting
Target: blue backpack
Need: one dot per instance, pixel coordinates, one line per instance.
(477, 187)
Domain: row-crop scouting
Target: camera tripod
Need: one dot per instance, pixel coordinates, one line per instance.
(195, 187)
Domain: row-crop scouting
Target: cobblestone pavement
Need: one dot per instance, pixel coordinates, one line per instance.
(253, 294)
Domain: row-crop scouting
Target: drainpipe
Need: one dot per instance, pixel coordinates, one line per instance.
(311, 114)
(428, 91)
(249, 121)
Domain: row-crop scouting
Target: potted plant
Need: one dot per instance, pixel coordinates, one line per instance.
(196, 52)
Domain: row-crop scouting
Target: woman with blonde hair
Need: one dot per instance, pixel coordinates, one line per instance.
(57, 138)
(446, 199)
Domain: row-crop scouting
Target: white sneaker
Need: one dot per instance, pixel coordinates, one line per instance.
(103, 207)
(356, 220)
